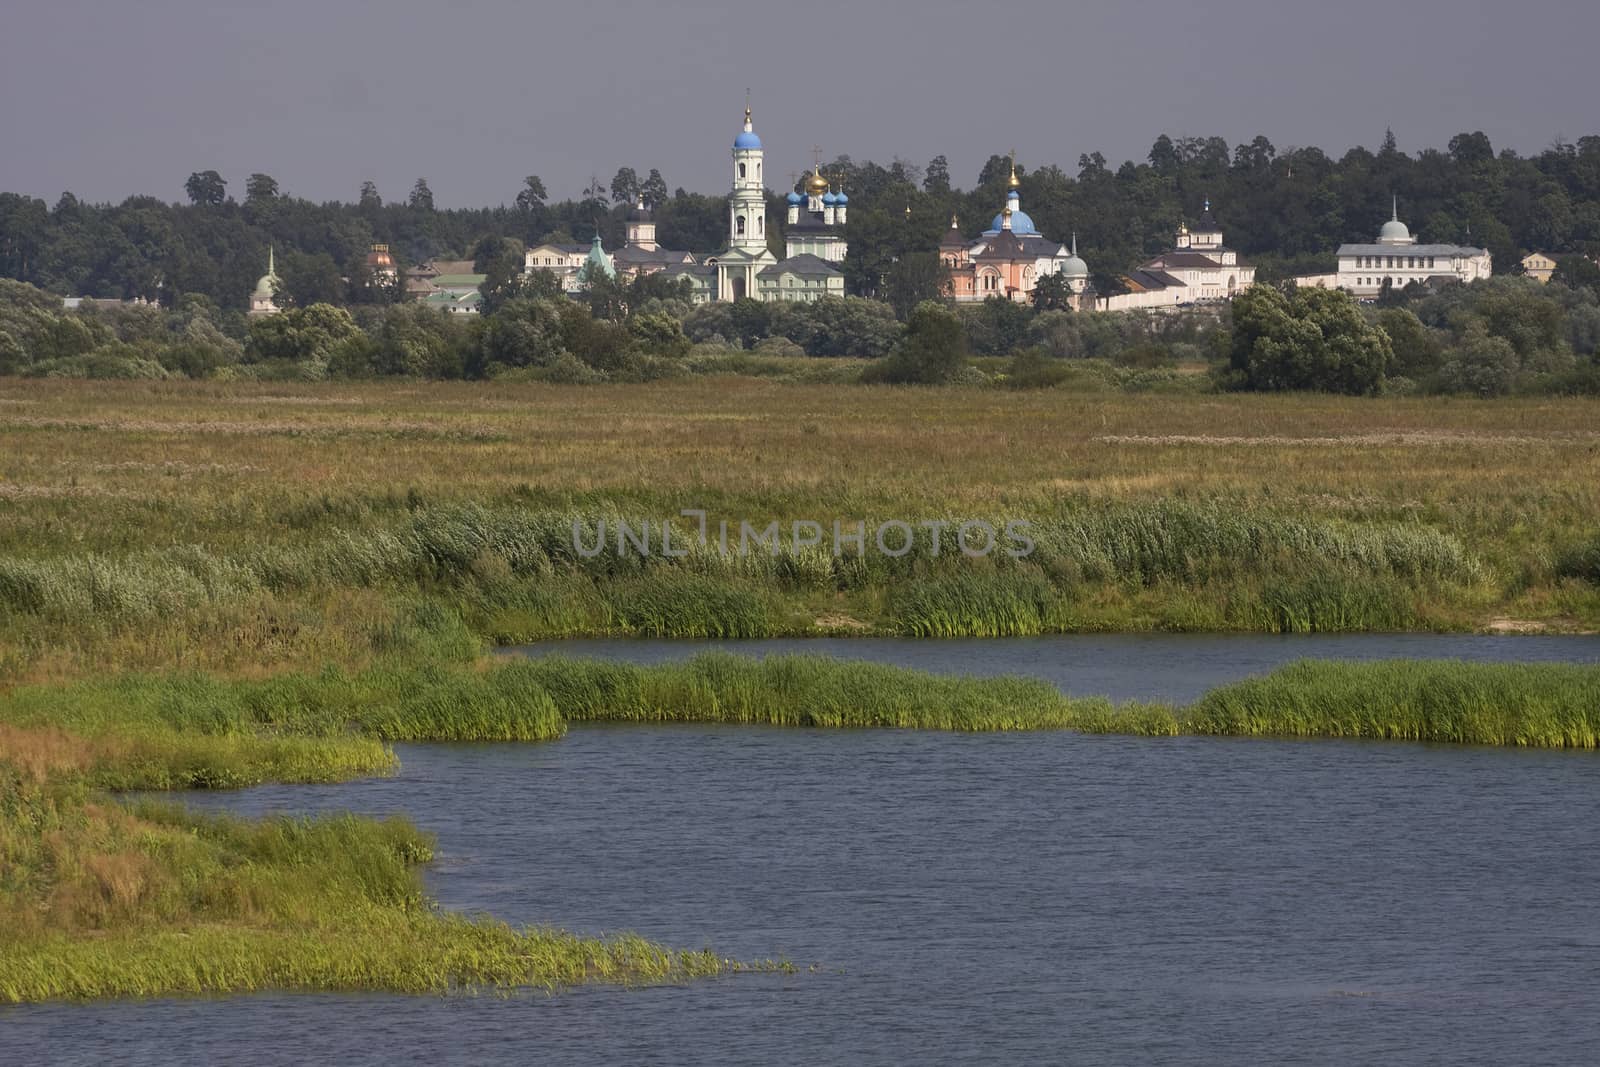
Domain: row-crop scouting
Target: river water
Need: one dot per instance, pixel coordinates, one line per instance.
(977, 898)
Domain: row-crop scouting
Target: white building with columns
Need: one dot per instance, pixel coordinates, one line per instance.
(1397, 258)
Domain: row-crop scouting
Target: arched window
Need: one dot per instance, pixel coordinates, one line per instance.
(739, 225)
(761, 225)
(741, 170)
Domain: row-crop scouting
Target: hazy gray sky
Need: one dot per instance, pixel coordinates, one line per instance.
(108, 99)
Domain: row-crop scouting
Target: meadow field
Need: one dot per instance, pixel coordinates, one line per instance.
(244, 527)
(210, 585)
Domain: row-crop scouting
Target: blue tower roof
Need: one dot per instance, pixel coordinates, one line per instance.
(1021, 223)
(795, 199)
(829, 198)
(840, 198)
(747, 139)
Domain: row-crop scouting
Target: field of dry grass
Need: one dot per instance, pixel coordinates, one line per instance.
(73, 447)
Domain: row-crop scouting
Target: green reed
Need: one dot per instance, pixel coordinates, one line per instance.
(1546, 705)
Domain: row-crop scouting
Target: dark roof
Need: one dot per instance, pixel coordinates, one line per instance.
(640, 213)
(801, 264)
(1170, 260)
(1036, 245)
(1151, 279)
(953, 239)
(1004, 245)
(810, 222)
(1206, 224)
(633, 254)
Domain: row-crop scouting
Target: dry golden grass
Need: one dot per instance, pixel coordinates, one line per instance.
(749, 440)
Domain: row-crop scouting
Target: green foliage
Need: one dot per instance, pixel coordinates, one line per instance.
(1580, 560)
(1482, 364)
(914, 278)
(932, 352)
(1417, 351)
(1314, 339)
(996, 327)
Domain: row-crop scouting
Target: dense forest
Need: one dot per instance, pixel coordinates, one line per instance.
(1284, 210)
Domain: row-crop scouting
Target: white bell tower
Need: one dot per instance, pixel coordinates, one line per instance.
(747, 214)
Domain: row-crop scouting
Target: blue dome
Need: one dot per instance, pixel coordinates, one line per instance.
(1013, 195)
(1020, 223)
(795, 199)
(746, 139)
(840, 198)
(829, 198)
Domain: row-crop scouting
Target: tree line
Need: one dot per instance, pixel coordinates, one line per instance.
(1285, 210)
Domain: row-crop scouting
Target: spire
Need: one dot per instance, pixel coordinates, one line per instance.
(747, 107)
(1074, 242)
(1395, 203)
(1013, 183)
(954, 225)
(271, 269)
(908, 209)
(1208, 203)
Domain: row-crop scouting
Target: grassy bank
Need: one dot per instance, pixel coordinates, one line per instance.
(176, 731)
(101, 900)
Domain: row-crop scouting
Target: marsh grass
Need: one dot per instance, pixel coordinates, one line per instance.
(806, 691)
(515, 575)
(99, 900)
(1522, 705)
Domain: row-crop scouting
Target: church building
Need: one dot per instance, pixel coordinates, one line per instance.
(747, 268)
(1009, 258)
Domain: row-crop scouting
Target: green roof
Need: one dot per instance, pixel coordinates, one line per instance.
(459, 281)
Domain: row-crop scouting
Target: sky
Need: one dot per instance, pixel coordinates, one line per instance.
(113, 99)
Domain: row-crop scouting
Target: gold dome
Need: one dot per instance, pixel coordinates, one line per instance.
(816, 185)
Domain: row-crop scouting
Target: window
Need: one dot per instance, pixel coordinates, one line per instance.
(741, 170)
(739, 226)
(1430, 262)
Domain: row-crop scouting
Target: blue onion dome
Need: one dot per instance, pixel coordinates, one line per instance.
(840, 199)
(1013, 195)
(794, 199)
(747, 139)
(829, 199)
(1021, 223)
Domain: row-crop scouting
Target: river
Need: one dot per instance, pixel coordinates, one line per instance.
(999, 898)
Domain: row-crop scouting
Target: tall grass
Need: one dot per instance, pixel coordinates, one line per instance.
(518, 575)
(975, 605)
(1525, 705)
(812, 691)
